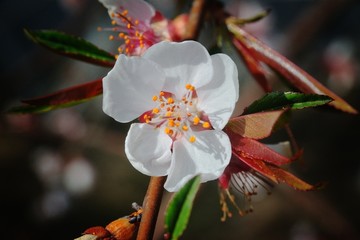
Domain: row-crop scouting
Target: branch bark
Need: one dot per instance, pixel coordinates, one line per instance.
(151, 206)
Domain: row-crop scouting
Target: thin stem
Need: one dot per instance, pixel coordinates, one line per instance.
(151, 206)
(195, 19)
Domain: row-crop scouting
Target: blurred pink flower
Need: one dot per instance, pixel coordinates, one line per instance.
(139, 25)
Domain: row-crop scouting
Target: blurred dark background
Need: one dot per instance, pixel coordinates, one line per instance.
(64, 171)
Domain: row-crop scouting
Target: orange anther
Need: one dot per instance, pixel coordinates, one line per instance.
(171, 123)
(192, 139)
(170, 100)
(196, 120)
(154, 98)
(168, 131)
(185, 128)
(156, 110)
(206, 125)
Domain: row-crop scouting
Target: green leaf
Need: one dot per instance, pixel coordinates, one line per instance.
(295, 75)
(284, 100)
(179, 209)
(29, 109)
(71, 46)
(252, 19)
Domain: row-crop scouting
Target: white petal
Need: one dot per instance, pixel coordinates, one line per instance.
(183, 63)
(129, 87)
(207, 156)
(148, 149)
(137, 9)
(217, 98)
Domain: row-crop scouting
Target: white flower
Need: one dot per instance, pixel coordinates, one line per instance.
(184, 98)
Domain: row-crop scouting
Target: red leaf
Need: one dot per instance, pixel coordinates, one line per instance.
(255, 126)
(294, 74)
(253, 149)
(98, 231)
(68, 95)
(291, 180)
(256, 164)
(274, 173)
(253, 65)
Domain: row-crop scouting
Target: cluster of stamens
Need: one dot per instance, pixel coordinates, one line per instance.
(132, 32)
(177, 117)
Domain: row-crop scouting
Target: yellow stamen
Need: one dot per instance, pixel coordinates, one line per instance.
(154, 98)
(206, 125)
(168, 131)
(192, 139)
(170, 100)
(111, 37)
(113, 22)
(155, 110)
(188, 86)
(171, 123)
(185, 128)
(196, 120)
(168, 114)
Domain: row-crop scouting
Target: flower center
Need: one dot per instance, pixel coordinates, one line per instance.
(177, 117)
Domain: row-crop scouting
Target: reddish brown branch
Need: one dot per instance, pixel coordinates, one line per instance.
(151, 206)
